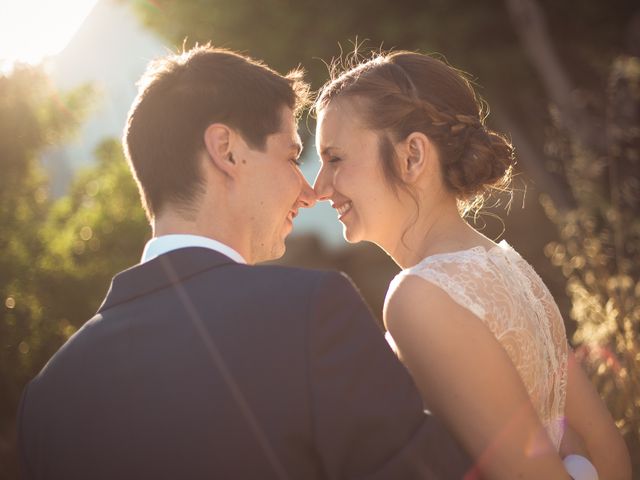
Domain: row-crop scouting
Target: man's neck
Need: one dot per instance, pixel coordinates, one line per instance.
(170, 223)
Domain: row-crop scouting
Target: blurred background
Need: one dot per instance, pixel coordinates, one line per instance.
(562, 80)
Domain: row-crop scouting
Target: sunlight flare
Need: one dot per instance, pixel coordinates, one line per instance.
(31, 30)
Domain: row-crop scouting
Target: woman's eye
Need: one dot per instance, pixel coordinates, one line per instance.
(334, 159)
(297, 161)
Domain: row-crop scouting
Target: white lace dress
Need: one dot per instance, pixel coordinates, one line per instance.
(504, 292)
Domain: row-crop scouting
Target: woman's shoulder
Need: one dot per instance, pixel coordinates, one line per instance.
(482, 280)
(411, 298)
(462, 267)
(477, 255)
(462, 276)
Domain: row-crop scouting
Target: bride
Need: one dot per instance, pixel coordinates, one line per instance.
(404, 152)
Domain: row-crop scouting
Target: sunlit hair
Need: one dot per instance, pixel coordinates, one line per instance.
(398, 93)
(179, 96)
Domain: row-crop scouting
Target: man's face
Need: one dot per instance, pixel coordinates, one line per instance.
(275, 189)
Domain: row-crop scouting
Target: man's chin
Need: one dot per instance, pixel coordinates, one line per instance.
(274, 254)
(280, 249)
(350, 235)
(279, 253)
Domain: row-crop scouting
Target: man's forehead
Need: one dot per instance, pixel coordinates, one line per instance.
(288, 121)
(290, 139)
(291, 132)
(289, 124)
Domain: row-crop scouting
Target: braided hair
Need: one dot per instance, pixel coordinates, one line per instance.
(404, 92)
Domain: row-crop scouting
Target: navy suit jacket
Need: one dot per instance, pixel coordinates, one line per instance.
(198, 367)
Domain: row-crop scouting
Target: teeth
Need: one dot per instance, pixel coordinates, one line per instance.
(344, 208)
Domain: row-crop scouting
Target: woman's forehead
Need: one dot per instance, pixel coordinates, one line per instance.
(339, 115)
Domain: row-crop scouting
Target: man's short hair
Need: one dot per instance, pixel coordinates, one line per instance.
(179, 96)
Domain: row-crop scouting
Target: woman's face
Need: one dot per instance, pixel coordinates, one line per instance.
(351, 176)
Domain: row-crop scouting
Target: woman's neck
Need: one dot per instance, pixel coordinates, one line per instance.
(439, 229)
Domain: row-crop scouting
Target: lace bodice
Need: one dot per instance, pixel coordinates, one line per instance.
(504, 291)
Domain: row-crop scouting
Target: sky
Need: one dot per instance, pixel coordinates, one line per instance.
(33, 29)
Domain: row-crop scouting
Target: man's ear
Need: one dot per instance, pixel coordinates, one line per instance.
(416, 155)
(218, 141)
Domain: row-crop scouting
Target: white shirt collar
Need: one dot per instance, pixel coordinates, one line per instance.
(166, 243)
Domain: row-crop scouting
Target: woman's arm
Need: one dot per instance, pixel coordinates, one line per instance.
(587, 415)
(467, 379)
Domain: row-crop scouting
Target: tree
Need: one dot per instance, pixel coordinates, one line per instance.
(57, 257)
(599, 246)
(91, 234)
(32, 116)
(597, 146)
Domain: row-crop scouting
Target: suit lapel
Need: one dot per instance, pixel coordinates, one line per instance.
(161, 272)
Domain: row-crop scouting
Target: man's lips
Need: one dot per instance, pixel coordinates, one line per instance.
(343, 208)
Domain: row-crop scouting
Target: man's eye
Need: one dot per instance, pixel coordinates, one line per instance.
(297, 161)
(334, 159)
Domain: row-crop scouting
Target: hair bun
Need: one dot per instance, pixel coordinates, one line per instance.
(485, 162)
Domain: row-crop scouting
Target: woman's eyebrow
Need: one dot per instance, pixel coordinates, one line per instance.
(327, 150)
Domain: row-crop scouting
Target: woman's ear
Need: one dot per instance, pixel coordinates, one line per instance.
(218, 141)
(416, 155)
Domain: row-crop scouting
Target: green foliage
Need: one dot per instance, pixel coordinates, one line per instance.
(95, 231)
(57, 258)
(32, 116)
(599, 250)
(285, 33)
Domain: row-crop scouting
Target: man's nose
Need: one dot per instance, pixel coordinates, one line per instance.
(307, 196)
(322, 186)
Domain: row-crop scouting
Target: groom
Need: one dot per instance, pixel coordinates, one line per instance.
(199, 364)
